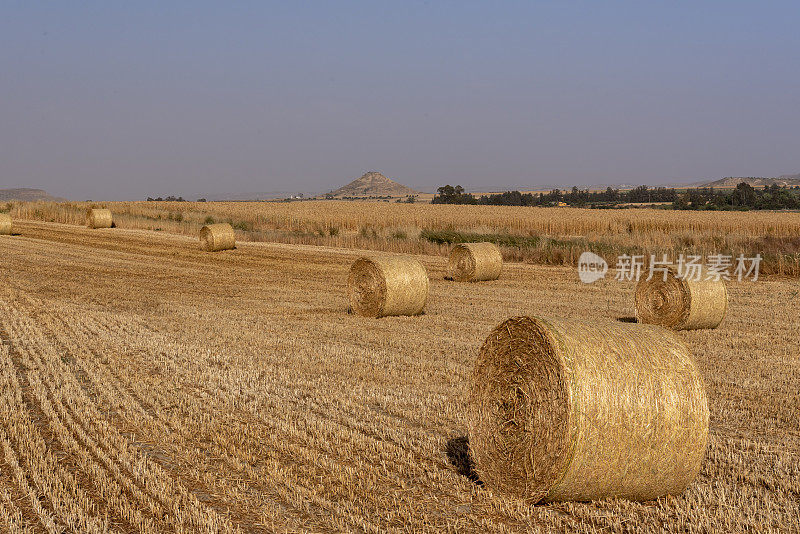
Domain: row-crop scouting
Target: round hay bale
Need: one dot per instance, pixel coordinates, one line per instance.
(216, 237)
(99, 218)
(382, 286)
(5, 224)
(474, 262)
(681, 303)
(573, 410)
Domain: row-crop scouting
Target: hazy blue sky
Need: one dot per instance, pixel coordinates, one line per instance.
(121, 100)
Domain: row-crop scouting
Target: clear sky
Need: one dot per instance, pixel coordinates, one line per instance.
(123, 100)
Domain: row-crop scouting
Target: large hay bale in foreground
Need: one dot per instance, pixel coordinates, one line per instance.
(474, 262)
(575, 410)
(99, 218)
(382, 286)
(216, 237)
(5, 224)
(681, 303)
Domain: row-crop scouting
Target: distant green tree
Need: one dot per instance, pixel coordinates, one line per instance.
(453, 195)
(744, 195)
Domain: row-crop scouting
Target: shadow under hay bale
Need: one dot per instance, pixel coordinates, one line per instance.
(564, 409)
(99, 218)
(384, 286)
(681, 303)
(474, 262)
(217, 237)
(627, 319)
(458, 455)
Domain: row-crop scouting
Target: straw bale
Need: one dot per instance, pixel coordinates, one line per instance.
(216, 237)
(681, 303)
(474, 262)
(5, 224)
(576, 410)
(383, 286)
(99, 218)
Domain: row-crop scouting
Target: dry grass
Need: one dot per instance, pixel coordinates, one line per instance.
(150, 387)
(550, 236)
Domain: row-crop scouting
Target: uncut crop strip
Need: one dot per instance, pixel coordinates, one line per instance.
(323, 216)
(534, 235)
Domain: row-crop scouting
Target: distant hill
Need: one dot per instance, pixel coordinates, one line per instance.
(789, 180)
(373, 184)
(28, 195)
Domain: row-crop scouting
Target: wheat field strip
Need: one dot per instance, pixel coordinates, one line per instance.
(547, 236)
(236, 387)
(321, 216)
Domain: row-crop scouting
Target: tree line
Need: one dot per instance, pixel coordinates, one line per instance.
(742, 197)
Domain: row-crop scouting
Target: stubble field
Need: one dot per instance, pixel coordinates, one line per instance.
(148, 386)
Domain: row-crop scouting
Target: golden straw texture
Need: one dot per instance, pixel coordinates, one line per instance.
(5, 224)
(575, 410)
(216, 237)
(99, 218)
(382, 286)
(475, 262)
(681, 304)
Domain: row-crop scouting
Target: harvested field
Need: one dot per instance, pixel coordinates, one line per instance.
(148, 386)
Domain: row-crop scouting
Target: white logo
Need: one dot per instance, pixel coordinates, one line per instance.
(591, 267)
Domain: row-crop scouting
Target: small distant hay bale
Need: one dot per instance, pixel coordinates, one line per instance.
(383, 286)
(216, 237)
(5, 224)
(574, 410)
(99, 218)
(681, 303)
(474, 262)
